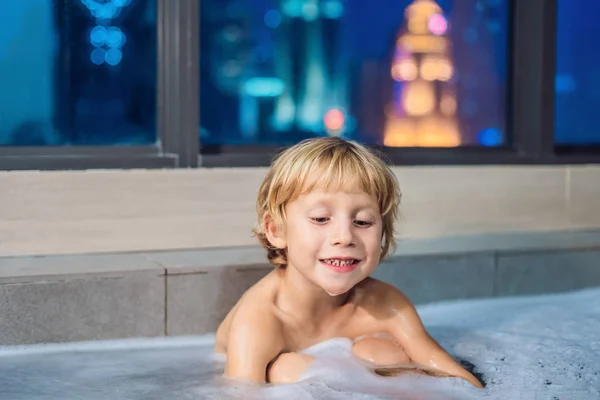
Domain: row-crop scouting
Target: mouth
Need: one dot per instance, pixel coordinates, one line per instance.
(342, 265)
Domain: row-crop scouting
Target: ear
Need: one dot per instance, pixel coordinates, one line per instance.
(275, 234)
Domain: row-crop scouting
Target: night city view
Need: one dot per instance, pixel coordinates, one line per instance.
(404, 73)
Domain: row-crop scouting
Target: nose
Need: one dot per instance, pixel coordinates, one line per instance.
(342, 234)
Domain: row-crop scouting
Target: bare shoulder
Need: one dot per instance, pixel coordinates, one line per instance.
(251, 335)
(257, 296)
(372, 289)
(254, 339)
(382, 299)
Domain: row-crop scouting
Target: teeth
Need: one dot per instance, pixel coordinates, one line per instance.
(339, 263)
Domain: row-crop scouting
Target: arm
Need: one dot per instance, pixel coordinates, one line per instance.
(403, 322)
(254, 341)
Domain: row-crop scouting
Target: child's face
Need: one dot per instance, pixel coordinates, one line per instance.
(333, 238)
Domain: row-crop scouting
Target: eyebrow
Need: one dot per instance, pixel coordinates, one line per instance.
(324, 203)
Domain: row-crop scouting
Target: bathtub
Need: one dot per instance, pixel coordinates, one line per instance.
(531, 347)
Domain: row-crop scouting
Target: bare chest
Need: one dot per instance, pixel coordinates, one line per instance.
(300, 335)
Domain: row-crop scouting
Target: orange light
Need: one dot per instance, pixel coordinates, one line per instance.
(423, 43)
(334, 120)
(405, 70)
(421, 115)
(429, 132)
(419, 98)
(417, 26)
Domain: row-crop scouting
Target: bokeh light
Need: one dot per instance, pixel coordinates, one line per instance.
(490, 137)
(437, 24)
(334, 120)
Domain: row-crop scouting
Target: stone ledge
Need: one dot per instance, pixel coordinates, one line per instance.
(52, 299)
(579, 239)
(32, 268)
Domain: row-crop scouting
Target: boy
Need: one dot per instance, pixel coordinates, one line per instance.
(326, 215)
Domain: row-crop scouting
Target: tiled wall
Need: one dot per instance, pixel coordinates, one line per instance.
(183, 293)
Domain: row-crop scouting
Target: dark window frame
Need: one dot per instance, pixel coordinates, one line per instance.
(177, 109)
(530, 106)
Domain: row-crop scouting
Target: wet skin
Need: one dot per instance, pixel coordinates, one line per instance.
(333, 244)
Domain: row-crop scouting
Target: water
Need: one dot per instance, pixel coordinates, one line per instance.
(545, 347)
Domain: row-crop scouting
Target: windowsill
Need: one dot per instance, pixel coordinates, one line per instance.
(102, 211)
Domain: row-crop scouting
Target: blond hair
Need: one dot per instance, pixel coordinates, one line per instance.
(331, 163)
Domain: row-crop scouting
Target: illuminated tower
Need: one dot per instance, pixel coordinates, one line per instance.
(307, 61)
(422, 112)
(304, 93)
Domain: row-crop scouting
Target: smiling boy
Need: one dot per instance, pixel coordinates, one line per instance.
(326, 216)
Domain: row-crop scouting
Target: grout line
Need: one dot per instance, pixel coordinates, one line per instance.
(568, 193)
(165, 317)
(495, 269)
(187, 273)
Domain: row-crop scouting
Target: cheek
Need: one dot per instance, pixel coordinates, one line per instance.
(373, 238)
(304, 237)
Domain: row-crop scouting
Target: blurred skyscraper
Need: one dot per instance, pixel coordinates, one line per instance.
(282, 72)
(423, 108)
(308, 61)
(102, 93)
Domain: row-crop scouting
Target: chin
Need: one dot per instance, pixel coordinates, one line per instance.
(336, 294)
(337, 291)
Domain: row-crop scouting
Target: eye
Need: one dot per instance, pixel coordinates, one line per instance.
(320, 220)
(363, 224)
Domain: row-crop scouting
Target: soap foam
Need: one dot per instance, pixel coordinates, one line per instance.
(525, 348)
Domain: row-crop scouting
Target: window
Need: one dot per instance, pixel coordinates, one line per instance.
(401, 73)
(147, 83)
(78, 72)
(577, 73)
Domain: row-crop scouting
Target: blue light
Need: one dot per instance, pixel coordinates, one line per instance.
(113, 57)
(272, 18)
(292, 8)
(264, 87)
(107, 11)
(98, 56)
(121, 3)
(91, 5)
(565, 83)
(98, 36)
(115, 37)
(310, 12)
(333, 9)
(490, 137)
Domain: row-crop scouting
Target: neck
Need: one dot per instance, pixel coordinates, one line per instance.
(305, 300)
